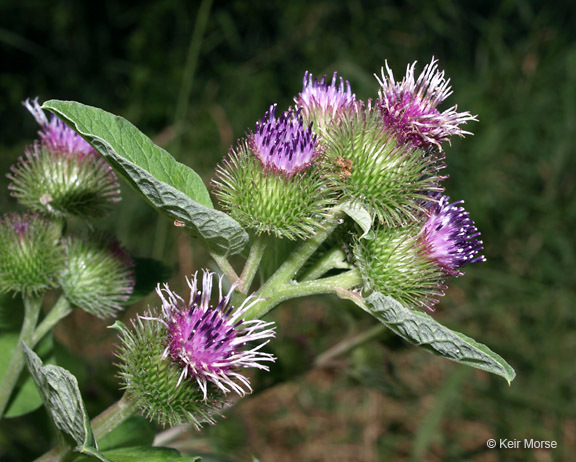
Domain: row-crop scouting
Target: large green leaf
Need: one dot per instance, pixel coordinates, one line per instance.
(422, 330)
(168, 185)
(141, 454)
(62, 398)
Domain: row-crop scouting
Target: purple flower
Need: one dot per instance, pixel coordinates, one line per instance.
(207, 341)
(58, 136)
(283, 144)
(450, 236)
(325, 103)
(409, 107)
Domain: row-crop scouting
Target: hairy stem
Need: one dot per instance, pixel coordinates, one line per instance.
(32, 310)
(59, 311)
(116, 414)
(226, 268)
(299, 257)
(252, 264)
(338, 285)
(334, 259)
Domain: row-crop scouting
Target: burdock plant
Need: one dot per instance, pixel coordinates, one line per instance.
(354, 187)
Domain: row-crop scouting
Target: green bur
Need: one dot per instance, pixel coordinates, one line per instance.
(269, 201)
(30, 253)
(372, 169)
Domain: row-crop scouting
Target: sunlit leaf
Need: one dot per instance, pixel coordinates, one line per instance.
(171, 187)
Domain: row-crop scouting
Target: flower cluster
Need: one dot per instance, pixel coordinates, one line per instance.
(62, 177)
(382, 155)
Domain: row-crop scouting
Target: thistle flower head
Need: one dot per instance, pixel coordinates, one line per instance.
(323, 103)
(283, 144)
(409, 107)
(207, 341)
(273, 182)
(31, 255)
(98, 276)
(152, 381)
(450, 236)
(61, 174)
(369, 166)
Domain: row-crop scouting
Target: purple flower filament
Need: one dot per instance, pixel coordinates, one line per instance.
(207, 341)
(410, 109)
(451, 237)
(283, 144)
(57, 136)
(325, 101)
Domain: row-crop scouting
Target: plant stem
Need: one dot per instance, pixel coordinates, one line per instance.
(334, 259)
(332, 285)
(252, 264)
(59, 311)
(32, 310)
(291, 266)
(115, 415)
(225, 267)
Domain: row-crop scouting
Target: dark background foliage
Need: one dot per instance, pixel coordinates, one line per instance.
(195, 75)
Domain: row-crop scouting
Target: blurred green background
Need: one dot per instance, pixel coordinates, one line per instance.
(195, 75)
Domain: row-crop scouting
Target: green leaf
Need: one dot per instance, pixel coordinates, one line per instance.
(142, 454)
(61, 396)
(422, 330)
(25, 397)
(147, 274)
(361, 216)
(168, 185)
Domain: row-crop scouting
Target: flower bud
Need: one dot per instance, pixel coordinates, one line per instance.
(179, 362)
(272, 182)
(98, 276)
(30, 253)
(62, 174)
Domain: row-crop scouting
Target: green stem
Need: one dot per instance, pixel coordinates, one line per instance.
(31, 311)
(334, 259)
(112, 417)
(252, 264)
(101, 425)
(226, 268)
(293, 264)
(59, 311)
(338, 284)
